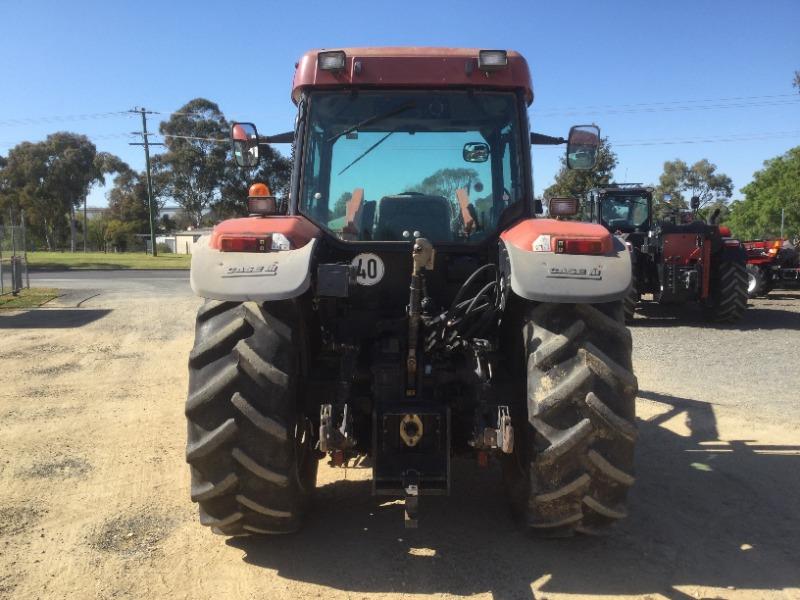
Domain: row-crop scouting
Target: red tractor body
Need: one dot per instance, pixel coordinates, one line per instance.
(411, 68)
(771, 263)
(402, 301)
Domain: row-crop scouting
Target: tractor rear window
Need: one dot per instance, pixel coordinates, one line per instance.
(386, 165)
(624, 213)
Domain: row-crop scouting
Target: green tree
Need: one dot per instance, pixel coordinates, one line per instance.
(198, 168)
(50, 179)
(573, 183)
(195, 159)
(775, 187)
(128, 202)
(680, 180)
(96, 231)
(120, 235)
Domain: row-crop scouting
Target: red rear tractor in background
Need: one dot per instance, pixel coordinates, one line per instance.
(772, 264)
(678, 260)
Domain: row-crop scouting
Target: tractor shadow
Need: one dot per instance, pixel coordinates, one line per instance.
(703, 513)
(760, 314)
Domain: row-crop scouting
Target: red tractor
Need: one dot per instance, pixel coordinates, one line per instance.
(678, 260)
(404, 303)
(771, 264)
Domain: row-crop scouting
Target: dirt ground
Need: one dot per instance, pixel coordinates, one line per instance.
(94, 490)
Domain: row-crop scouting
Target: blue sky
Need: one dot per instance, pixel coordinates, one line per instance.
(631, 67)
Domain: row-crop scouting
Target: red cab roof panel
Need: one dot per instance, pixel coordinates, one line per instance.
(413, 67)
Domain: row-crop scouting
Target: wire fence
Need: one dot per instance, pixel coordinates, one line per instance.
(13, 255)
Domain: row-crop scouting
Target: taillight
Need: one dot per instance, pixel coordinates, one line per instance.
(579, 246)
(245, 244)
(252, 243)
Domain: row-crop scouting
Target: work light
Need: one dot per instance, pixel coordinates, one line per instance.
(492, 60)
(563, 207)
(332, 60)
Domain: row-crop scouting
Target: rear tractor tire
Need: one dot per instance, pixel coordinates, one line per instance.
(630, 302)
(728, 299)
(573, 461)
(757, 282)
(250, 448)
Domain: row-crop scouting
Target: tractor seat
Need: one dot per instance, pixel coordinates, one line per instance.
(430, 215)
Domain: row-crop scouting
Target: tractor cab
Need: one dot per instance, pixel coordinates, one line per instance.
(623, 208)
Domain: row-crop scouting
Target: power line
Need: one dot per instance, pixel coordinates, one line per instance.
(672, 102)
(84, 117)
(712, 140)
(667, 109)
(729, 101)
(194, 137)
(737, 137)
(59, 118)
(91, 138)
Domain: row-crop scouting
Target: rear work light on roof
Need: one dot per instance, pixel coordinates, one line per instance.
(492, 60)
(255, 243)
(333, 60)
(567, 246)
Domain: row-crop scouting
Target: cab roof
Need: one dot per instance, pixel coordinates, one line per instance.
(412, 67)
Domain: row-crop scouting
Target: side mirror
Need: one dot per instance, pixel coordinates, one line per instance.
(582, 145)
(563, 207)
(245, 144)
(476, 152)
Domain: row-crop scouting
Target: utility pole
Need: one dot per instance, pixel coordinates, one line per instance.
(782, 213)
(147, 143)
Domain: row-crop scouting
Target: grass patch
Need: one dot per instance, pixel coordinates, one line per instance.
(30, 298)
(65, 261)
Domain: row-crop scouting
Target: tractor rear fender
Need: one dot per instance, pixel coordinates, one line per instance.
(536, 271)
(257, 276)
(732, 252)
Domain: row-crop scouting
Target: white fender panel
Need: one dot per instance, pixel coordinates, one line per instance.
(242, 276)
(579, 278)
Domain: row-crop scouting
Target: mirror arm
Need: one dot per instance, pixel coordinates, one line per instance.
(280, 138)
(540, 139)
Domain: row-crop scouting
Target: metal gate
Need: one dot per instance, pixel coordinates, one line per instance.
(13, 255)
